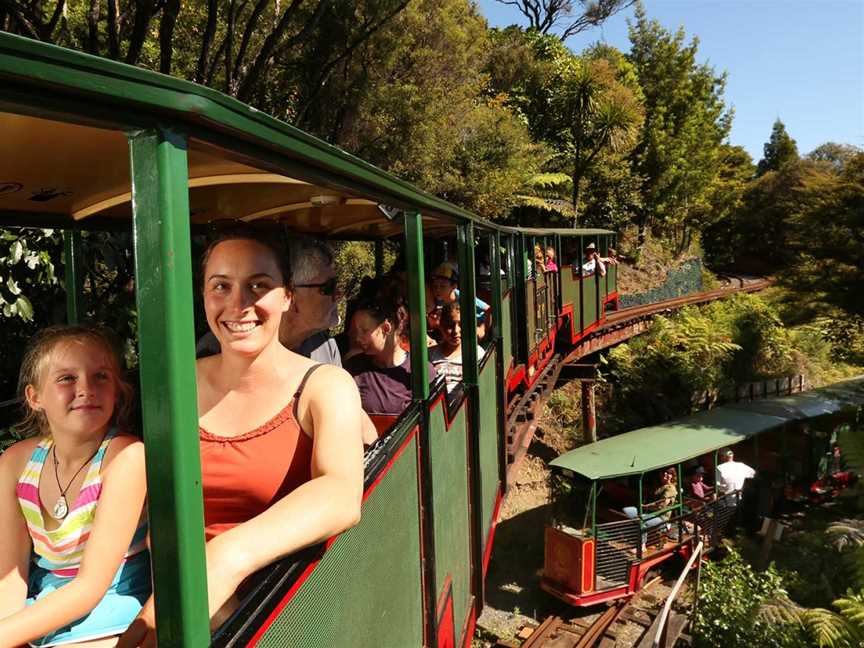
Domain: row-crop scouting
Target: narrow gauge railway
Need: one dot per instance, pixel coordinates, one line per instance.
(90, 144)
(596, 552)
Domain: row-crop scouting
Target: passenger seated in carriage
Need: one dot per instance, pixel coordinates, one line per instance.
(446, 356)
(593, 261)
(281, 467)
(665, 496)
(444, 284)
(304, 328)
(382, 371)
(698, 488)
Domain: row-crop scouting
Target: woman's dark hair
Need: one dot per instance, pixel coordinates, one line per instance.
(380, 310)
(451, 312)
(271, 239)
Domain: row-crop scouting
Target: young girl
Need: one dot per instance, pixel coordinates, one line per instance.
(74, 565)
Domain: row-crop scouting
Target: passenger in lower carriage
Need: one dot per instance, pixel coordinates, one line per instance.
(383, 371)
(74, 564)
(446, 356)
(282, 467)
(698, 488)
(304, 328)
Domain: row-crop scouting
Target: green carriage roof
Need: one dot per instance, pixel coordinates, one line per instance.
(658, 446)
(64, 115)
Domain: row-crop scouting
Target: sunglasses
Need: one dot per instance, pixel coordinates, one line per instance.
(326, 288)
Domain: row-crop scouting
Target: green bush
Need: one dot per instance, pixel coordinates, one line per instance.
(740, 607)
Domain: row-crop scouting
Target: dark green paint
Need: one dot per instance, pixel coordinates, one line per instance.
(163, 276)
(72, 263)
(417, 304)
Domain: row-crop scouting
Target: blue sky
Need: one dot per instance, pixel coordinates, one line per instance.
(799, 60)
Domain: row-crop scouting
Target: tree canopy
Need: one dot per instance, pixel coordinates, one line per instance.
(779, 150)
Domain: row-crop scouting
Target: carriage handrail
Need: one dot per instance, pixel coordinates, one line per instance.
(659, 636)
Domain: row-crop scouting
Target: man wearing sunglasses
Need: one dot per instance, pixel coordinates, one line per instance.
(314, 310)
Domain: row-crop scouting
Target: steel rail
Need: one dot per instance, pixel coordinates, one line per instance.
(659, 636)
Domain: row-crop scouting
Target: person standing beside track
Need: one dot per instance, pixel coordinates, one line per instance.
(281, 468)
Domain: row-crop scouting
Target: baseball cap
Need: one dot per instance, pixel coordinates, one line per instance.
(447, 270)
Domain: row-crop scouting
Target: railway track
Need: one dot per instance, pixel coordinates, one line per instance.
(624, 624)
(523, 412)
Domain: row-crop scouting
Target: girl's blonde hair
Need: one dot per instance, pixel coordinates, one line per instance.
(36, 357)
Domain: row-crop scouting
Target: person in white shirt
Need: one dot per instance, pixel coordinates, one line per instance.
(593, 261)
(732, 474)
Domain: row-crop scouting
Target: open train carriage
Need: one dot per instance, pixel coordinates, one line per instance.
(90, 144)
(554, 310)
(603, 539)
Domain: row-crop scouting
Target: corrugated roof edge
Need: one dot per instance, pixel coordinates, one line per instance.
(584, 460)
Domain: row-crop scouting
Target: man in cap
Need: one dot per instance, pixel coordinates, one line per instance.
(593, 262)
(732, 474)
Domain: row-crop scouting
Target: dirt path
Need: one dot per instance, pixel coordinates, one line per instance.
(513, 594)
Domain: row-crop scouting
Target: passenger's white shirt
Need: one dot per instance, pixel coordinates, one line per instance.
(593, 265)
(731, 476)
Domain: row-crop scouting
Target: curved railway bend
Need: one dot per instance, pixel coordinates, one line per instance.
(620, 326)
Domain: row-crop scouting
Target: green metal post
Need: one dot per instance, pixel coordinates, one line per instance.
(594, 509)
(468, 294)
(379, 257)
(417, 304)
(640, 494)
(72, 260)
(163, 276)
(680, 491)
(497, 288)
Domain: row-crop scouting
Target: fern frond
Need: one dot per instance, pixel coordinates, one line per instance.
(828, 629)
(846, 533)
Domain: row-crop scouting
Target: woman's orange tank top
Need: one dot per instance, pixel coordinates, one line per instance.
(245, 475)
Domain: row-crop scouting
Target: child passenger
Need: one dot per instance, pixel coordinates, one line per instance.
(446, 356)
(74, 564)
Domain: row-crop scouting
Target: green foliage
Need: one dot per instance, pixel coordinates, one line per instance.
(678, 155)
(843, 630)
(708, 349)
(740, 607)
(826, 221)
(778, 151)
(837, 155)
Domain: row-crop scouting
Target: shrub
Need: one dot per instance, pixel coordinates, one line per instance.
(741, 607)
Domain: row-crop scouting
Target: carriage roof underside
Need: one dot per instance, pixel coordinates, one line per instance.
(64, 154)
(659, 446)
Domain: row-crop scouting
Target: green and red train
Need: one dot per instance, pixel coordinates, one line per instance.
(90, 144)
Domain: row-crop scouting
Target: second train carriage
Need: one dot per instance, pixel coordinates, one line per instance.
(92, 144)
(595, 552)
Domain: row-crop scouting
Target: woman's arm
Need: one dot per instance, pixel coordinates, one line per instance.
(117, 516)
(15, 542)
(322, 507)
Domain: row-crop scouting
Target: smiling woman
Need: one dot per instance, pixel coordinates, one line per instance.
(266, 460)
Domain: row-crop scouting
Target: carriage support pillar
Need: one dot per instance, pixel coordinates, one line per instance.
(589, 412)
(163, 274)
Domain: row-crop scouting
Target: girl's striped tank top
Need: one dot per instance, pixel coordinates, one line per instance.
(60, 550)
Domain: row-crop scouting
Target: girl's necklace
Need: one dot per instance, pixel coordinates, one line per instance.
(61, 506)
